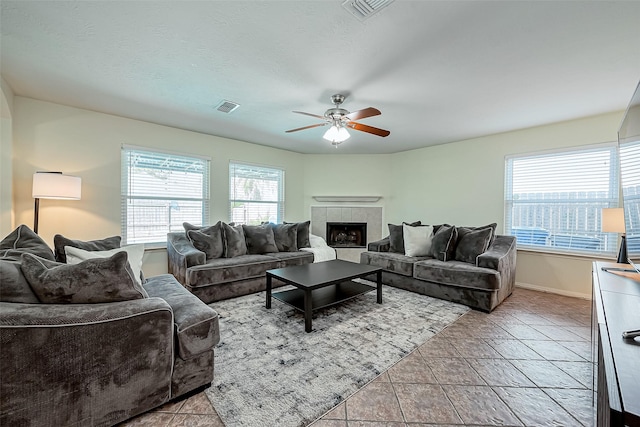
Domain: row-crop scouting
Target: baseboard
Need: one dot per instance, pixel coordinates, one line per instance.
(553, 291)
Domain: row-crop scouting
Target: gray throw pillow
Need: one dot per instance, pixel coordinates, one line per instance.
(259, 239)
(303, 233)
(286, 236)
(472, 243)
(24, 240)
(14, 287)
(208, 240)
(396, 237)
(234, 243)
(188, 227)
(96, 280)
(491, 226)
(443, 243)
(59, 242)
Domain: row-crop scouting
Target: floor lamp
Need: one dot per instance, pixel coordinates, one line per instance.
(54, 185)
(613, 222)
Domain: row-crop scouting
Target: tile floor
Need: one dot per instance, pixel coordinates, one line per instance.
(528, 363)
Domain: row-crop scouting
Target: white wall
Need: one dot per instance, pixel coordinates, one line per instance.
(346, 175)
(52, 137)
(6, 158)
(462, 183)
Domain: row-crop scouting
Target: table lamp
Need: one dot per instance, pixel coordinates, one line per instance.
(613, 222)
(54, 185)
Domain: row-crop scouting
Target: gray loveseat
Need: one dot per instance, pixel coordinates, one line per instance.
(225, 261)
(480, 276)
(94, 364)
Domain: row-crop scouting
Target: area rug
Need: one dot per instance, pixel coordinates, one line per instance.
(269, 372)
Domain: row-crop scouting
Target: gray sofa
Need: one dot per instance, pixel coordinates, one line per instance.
(95, 364)
(238, 267)
(482, 284)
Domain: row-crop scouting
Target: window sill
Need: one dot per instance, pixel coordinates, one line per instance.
(154, 247)
(565, 254)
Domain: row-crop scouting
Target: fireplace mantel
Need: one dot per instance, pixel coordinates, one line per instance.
(362, 199)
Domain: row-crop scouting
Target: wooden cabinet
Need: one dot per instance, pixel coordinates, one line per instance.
(616, 308)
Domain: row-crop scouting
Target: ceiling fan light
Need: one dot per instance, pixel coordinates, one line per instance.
(331, 133)
(343, 135)
(336, 134)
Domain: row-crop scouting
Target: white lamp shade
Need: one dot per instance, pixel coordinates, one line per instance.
(336, 134)
(55, 185)
(613, 220)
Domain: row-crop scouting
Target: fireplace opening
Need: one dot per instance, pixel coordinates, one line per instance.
(347, 234)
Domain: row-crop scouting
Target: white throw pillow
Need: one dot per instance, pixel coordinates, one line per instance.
(134, 254)
(417, 240)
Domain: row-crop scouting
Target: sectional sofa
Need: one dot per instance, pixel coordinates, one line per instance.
(469, 265)
(225, 261)
(92, 343)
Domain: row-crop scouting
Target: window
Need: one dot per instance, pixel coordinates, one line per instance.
(555, 200)
(630, 174)
(256, 194)
(160, 191)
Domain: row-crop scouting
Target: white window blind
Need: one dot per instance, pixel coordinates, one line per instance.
(630, 174)
(555, 200)
(256, 194)
(160, 191)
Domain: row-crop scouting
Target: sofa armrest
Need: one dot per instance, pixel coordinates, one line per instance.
(501, 256)
(196, 324)
(66, 364)
(379, 245)
(181, 255)
(498, 255)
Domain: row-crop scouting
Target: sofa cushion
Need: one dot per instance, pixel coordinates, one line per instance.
(443, 244)
(259, 239)
(24, 240)
(14, 287)
(396, 236)
(457, 273)
(207, 239)
(286, 236)
(59, 242)
(303, 233)
(93, 281)
(417, 240)
(223, 270)
(135, 253)
(472, 243)
(287, 259)
(196, 324)
(391, 261)
(234, 243)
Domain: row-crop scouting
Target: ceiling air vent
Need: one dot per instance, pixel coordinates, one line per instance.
(227, 106)
(364, 9)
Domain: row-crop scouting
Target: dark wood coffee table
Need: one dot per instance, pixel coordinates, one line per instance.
(321, 285)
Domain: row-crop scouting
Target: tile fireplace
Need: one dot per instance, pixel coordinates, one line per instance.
(369, 215)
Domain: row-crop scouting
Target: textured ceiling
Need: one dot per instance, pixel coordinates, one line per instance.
(440, 71)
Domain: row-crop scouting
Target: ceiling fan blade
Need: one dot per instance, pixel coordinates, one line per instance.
(368, 129)
(309, 114)
(363, 114)
(306, 127)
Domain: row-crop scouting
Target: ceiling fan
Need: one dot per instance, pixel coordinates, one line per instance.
(340, 119)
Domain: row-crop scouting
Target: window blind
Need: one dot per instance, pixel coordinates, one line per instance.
(159, 192)
(256, 194)
(630, 175)
(555, 200)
